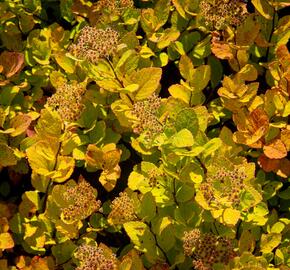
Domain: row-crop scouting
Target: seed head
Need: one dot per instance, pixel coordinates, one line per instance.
(115, 4)
(146, 113)
(207, 249)
(122, 209)
(220, 13)
(82, 200)
(95, 258)
(224, 184)
(93, 44)
(68, 101)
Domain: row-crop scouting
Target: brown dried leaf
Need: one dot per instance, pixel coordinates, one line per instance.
(284, 168)
(267, 164)
(12, 63)
(276, 149)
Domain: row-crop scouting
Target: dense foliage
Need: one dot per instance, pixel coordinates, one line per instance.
(151, 134)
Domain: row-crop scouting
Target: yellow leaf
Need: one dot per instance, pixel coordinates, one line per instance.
(180, 92)
(186, 67)
(6, 241)
(148, 80)
(264, 8)
(231, 216)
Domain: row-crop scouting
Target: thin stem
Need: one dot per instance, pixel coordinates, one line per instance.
(155, 238)
(272, 32)
(50, 183)
(117, 78)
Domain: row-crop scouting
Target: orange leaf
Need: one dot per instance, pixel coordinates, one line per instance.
(259, 121)
(285, 137)
(12, 63)
(275, 150)
(267, 164)
(221, 50)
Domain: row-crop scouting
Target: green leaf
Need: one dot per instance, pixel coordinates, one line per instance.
(211, 146)
(63, 252)
(201, 77)
(148, 80)
(187, 118)
(7, 157)
(264, 8)
(141, 237)
(8, 93)
(183, 138)
(192, 173)
(186, 67)
(184, 192)
(202, 49)
(216, 70)
(148, 207)
(164, 232)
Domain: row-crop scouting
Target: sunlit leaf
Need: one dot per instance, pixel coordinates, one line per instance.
(276, 149)
(148, 80)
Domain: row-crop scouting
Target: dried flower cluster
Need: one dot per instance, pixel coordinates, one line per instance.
(95, 258)
(68, 101)
(207, 249)
(146, 112)
(115, 5)
(153, 175)
(82, 200)
(93, 44)
(122, 209)
(224, 187)
(220, 13)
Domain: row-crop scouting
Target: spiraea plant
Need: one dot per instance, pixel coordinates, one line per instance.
(95, 257)
(177, 114)
(146, 111)
(123, 209)
(68, 100)
(218, 14)
(207, 249)
(93, 44)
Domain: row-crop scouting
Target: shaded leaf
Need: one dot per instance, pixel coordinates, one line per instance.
(12, 63)
(7, 157)
(264, 8)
